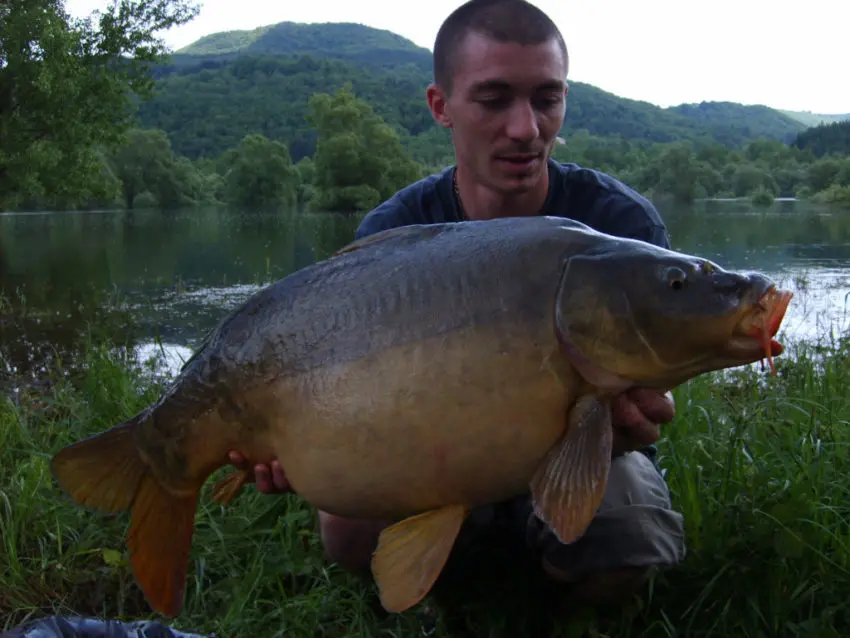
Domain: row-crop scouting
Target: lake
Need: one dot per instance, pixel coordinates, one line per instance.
(161, 280)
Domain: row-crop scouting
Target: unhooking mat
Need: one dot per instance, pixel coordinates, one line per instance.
(78, 627)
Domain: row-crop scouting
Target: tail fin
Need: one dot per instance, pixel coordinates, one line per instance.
(102, 472)
(106, 472)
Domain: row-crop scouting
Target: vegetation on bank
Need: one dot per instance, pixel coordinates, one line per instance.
(758, 466)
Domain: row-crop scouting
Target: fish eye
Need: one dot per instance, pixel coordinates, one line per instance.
(676, 278)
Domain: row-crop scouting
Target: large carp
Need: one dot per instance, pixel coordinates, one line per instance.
(418, 373)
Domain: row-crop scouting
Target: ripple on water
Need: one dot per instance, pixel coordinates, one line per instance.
(821, 303)
(165, 358)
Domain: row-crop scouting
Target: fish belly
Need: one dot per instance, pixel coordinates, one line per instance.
(463, 417)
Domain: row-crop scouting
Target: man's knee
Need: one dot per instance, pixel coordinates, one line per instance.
(634, 532)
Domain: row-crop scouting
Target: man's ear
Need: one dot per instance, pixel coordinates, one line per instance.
(438, 104)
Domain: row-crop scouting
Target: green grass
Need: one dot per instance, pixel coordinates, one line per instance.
(758, 465)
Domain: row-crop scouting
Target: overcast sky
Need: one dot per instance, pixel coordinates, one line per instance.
(789, 55)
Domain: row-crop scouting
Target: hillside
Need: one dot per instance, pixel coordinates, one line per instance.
(603, 113)
(209, 107)
(342, 40)
(742, 121)
(814, 119)
(227, 85)
(826, 138)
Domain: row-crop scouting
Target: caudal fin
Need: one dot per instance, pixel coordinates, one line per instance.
(106, 472)
(159, 541)
(102, 472)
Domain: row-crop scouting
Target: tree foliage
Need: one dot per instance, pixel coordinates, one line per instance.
(685, 170)
(66, 91)
(826, 138)
(148, 171)
(359, 159)
(259, 173)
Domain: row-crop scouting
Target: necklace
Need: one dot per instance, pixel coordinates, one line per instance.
(458, 201)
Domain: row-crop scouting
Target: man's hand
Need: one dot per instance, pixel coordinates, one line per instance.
(637, 417)
(270, 479)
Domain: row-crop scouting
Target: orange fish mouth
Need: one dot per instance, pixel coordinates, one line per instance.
(770, 311)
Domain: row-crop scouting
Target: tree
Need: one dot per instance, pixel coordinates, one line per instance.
(146, 164)
(68, 91)
(359, 160)
(260, 174)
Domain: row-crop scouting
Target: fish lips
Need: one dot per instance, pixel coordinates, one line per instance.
(755, 338)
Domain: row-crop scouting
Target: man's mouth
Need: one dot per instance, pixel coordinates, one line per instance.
(519, 159)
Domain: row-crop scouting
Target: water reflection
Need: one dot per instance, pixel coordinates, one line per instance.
(161, 280)
(805, 248)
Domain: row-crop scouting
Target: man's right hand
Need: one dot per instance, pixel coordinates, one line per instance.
(270, 479)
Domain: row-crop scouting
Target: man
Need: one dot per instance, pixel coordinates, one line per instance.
(500, 70)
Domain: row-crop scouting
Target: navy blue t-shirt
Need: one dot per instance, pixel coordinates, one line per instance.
(582, 194)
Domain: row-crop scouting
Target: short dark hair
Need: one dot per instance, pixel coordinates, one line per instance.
(514, 21)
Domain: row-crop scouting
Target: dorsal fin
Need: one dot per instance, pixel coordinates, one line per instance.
(400, 235)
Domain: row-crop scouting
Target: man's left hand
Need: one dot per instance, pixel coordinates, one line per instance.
(637, 418)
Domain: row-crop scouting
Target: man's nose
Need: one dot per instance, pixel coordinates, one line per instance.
(522, 122)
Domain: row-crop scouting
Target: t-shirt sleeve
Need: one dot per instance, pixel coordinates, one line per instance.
(427, 201)
(607, 204)
(653, 233)
(632, 215)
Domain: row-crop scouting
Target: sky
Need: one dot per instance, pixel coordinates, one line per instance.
(784, 54)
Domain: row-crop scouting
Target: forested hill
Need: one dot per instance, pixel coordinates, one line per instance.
(814, 119)
(826, 138)
(371, 47)
(227, 85)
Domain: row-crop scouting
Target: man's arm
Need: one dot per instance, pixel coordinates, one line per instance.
(633, 216)
(607, 204)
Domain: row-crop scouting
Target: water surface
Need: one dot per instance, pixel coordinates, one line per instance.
(161, 280)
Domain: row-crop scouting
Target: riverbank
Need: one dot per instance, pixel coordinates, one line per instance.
(758, 465)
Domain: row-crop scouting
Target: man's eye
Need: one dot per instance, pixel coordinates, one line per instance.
(549, 100)
(492, 100)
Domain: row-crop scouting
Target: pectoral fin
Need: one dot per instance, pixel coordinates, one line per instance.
(229, 486)
(412, 553)
(569, 485)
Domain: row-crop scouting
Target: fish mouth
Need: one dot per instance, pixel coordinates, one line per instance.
(754, 338)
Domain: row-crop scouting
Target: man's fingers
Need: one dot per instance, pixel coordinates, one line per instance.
(654, 406)
(262, 476)
(625, 413)
(279, 477)
(633, 428)
(270, 479)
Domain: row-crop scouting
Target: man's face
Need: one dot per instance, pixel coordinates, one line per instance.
(505, 110)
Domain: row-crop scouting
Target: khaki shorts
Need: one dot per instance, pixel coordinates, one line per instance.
(635, 526)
